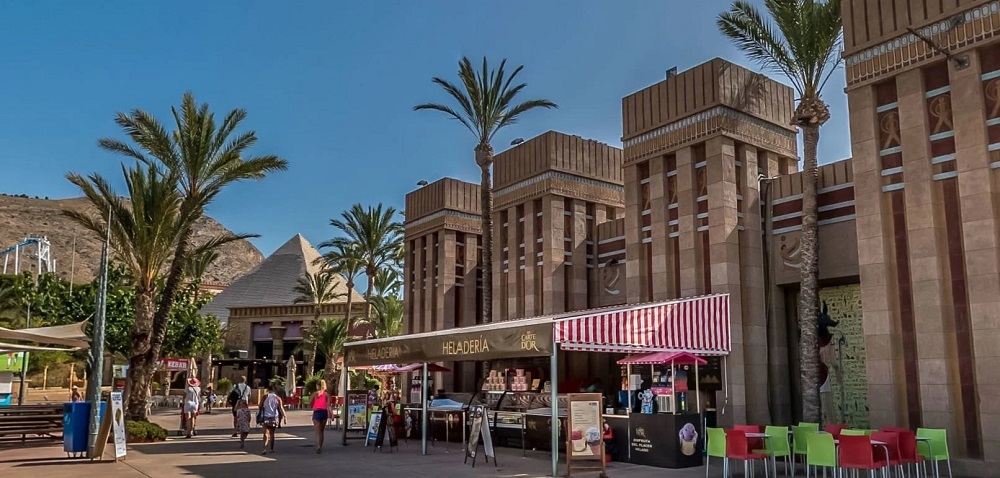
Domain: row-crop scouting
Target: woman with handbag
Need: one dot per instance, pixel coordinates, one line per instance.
(270, 414)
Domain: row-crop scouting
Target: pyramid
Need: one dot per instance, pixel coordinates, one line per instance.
(273, 281)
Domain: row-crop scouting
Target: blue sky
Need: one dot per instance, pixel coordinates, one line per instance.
(330, 86)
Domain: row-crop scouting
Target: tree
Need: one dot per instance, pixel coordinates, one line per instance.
(316, 288)
(387, 319)
(144, 232)
(327, 337)
(387, 282)
(485, 106)
(204, 158)
(801, 39)
(375, 234)
(345, 260)
(9, 303)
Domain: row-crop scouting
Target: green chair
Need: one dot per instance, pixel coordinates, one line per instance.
(716, 447)
(812, 426)
(800, 436)
(820, 452)
(854, 433)
(778, 447)
(932, 444)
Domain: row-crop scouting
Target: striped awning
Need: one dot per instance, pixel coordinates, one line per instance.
(698, 325)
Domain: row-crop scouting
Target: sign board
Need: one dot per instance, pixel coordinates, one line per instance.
(118, 424)
(527, 341)
(172, 364)
(357, 407)
(480, 430)
(6, 382)
(585, 431)
(385, 427)
(11, 361)
(373, 429)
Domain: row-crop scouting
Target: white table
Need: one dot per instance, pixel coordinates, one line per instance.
(930, 451)
(770, 451)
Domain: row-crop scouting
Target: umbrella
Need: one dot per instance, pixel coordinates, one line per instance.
(192, 368)
(290, 376)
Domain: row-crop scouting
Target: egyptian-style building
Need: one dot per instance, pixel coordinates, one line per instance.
(705, 197)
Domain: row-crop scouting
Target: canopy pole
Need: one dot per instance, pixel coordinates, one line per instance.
(343, 413)
(725, 384)
(554, 396)
(628, 387)
(423, 410)
(673, 388)
(697, 387)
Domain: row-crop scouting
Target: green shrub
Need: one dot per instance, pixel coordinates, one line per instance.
(312, 383)
(140, 432)
(223, 386)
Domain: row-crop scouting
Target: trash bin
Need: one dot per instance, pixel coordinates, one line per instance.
(76, 426)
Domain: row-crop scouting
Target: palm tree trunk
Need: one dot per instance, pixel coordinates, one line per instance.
(140, 372)
(370, 272)
(809, 269)
(484, 158)
(310, 351)
(347, 313)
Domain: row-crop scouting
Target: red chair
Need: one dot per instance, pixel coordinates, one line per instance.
(737, 448)
(755, 443)
(855, 453)
(907, 447)
(891, 449)
(835, 429)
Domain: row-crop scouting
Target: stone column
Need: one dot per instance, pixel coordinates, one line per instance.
(430, 276)
(408, 326)
(662, 289)
(686, 213)
(553, 274)
(926, 241)
(513, 264)
(886, 402)
(499, 278)
(980, 231)
(634, 255)
(470, 309)
(278, 340)
(530, 259)
(419, 287)
(578, 294)
(446, 281)
(724, 244)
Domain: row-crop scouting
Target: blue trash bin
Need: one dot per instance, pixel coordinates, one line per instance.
(76, 426)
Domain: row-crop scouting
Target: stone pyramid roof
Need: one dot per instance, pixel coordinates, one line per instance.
(273, 281)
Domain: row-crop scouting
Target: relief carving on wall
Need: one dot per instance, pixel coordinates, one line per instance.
(789, 250)
(889, 128)
(702, 181)
(992, 91)
(610, 277)
(671, 189)
(645, 197)
(940, 111)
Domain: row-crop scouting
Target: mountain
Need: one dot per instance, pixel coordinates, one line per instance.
(21, 217)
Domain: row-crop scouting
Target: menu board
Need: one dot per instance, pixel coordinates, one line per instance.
(480, 429)
(357, 406)
(373, 429)
(585, 431)
(118, 424)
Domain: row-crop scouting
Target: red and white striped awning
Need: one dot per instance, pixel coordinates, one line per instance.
(698, 325)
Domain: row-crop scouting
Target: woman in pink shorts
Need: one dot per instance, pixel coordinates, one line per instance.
(321, 404)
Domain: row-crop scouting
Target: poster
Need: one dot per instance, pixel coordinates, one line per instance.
(118, 426)
(11, 361)
(585, 437)
(357, 407)
(373, 428)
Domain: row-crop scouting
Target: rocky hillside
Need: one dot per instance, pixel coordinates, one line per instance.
(22, 217)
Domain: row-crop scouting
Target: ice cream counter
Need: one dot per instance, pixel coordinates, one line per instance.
(663, 440)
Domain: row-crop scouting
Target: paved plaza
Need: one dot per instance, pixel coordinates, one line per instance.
(214, 454)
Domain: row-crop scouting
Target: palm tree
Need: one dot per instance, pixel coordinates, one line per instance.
(9, 302)
(387, 320)
(387, 282)
(327, 337)
(204, 158)
(144, 232)
(345, 260)
(485, 106)
(800, 40)
(376, 236)
(316, 288)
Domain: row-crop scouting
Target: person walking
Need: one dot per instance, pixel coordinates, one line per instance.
(239, 392)
(210, 398)
(192, 402)
(242, 421)
(321, 406)
(272, 413)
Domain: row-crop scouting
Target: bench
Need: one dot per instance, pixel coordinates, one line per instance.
(30, 422)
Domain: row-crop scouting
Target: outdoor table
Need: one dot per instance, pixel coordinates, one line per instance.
(446, 411)
(770, 450)
(930, 451)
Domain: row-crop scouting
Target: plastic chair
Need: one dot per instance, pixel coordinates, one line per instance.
(812, 426)
(853, 433)
(856, 454)
(935, 449)
(737, 448)
(820, 451)
(778, 447)
(835, 429)
(800, 442)
(753, 443)
(716, 447)
(907, 447)
(891, 449)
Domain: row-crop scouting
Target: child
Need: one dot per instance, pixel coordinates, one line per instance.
(242, 421)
